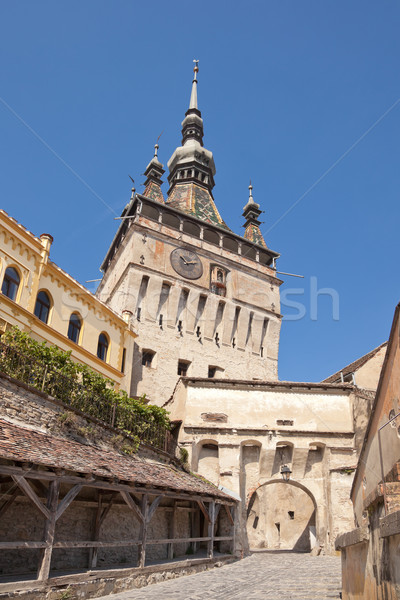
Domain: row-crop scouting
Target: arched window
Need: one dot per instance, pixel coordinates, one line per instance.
(74, 327)
(42, 306)
(102, 346)
(10, 283)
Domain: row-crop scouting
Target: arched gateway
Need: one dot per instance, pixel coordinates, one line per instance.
(282, 516)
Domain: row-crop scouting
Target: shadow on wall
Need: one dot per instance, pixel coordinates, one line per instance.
(282, 516)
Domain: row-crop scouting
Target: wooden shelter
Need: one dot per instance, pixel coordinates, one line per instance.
(47, 480)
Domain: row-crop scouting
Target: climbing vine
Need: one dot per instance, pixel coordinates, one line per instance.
(52, 370)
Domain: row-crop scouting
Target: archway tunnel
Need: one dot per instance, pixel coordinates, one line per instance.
(282, 516)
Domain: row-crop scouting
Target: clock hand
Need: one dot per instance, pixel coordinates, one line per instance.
(184, 260)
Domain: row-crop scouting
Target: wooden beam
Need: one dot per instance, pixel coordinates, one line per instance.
(105, 485)
(93, 544)
(172, 531)
(101, 514)
(132, 505)
(96, 532)
(26, 488)
(68, 498)
(204, 510)
(21, 545)
(210, 544)
(14, 491)
(98, 544)
(49, 530)
(153, 507)
(143, 530)
(228, 512)
(107, 509)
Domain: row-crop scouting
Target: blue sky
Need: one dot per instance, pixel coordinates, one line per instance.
(286, 90)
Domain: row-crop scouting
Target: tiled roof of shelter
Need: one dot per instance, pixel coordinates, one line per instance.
(27, 445)
(354, 366)
(196, 200)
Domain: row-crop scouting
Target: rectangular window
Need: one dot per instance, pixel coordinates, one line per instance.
(235, 326)
(212, 371)
(200, 308)
(142, 294)
(249, 328)
(123, 360)
(183, 367)
(147, 358)
(163, 302)
(181, 314)
(219, 315)
(263, 336)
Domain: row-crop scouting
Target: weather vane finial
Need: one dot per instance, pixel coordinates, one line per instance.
(250, 190)
(156, 146)
(196, 68)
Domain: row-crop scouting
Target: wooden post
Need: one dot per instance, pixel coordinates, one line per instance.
(210, 543)
(172, 532)
(143, 530)
(49, 530)
(96, 533)
(193, 529)
(215, 528)
(100, 516)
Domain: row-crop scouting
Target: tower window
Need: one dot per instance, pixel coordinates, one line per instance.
(218, 281)
(212, 372)
(102, 346)
(123, 360)
(183, 367)
(42, 306)
(147, 358)
(74, 328)
(10, 283)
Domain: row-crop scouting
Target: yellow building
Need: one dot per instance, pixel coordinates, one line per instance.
(42, 299)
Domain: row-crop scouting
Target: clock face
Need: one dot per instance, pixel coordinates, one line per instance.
(186, 263)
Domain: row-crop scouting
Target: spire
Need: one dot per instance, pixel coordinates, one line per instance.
(251, 212)
(154, 172)
(193, 95)
(192, 168)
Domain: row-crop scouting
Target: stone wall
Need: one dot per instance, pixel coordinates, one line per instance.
(95, 584)
(21, 404)
(370, 563)
(247, 344)
(24, 523)
(239, 434)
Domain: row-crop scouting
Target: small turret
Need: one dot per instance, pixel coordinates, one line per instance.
(251, 212)
(153, 183)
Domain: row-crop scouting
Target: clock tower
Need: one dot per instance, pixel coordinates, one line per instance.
(204, 300)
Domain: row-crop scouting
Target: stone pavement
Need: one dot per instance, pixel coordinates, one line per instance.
(279, 576)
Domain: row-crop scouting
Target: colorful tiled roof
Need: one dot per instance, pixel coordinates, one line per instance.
(197, 201)
(153, 191)
(253, 234)
(27, 445)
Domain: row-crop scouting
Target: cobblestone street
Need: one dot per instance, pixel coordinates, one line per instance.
(280, 576)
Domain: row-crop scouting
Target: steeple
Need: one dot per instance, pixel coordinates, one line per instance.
(192, 168)
(154, 172)
(251, 212)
